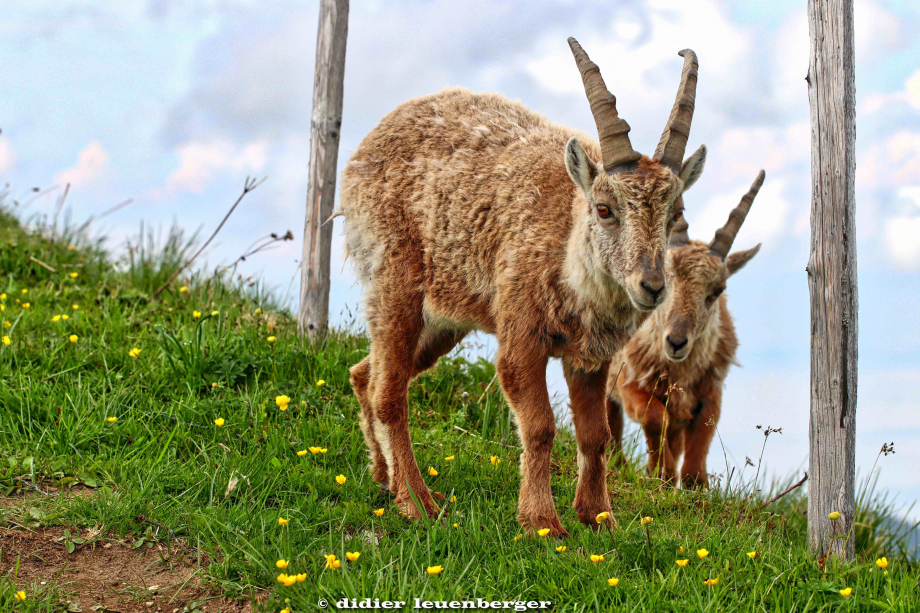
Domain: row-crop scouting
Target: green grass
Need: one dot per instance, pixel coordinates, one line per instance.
(165, 458)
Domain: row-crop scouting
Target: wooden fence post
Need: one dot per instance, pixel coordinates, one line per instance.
(832, 278)
(325, 130)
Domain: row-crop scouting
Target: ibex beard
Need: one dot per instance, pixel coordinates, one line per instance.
(468, 211)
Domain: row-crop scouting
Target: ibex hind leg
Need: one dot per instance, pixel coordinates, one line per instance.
(361, 384)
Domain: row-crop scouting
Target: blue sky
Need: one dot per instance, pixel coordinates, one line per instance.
(174, 103)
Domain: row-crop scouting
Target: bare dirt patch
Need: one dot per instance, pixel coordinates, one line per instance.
(44, 494)
(110, 575)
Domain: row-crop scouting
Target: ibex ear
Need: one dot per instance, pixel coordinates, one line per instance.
(692, 167)
(581, 168)
(736, 261)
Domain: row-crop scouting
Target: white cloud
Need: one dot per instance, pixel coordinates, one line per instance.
(902, 232)
(766, 220)
(7, 156)
(92, 162)
(200, 162)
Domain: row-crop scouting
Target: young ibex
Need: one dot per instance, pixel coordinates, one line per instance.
(468, 211)
(674, 366)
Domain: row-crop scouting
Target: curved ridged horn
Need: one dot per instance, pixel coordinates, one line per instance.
(612, 131)
(673, 143)
(679, 236)
(725, 235)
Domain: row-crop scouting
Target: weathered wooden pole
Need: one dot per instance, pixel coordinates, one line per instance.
(325, 129)
(832, 278)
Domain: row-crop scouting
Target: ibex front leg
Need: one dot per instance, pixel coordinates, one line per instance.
(592, 431)
(522, 374)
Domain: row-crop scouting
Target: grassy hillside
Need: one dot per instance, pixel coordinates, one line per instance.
(161, 414)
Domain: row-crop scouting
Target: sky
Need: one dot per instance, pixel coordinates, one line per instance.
(175, 103)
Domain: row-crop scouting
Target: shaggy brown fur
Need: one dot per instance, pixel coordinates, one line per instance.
(675, 365)
(461, 214)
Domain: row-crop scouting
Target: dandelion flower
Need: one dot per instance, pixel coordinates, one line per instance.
(495, 460)
(6, 341)
(302, 452)
(434, 570)
(602, 517)
(340, 479)
(196, 314)
(752, 554)
(26, 305)
(282, 402)
(74, 275)
(111, 419)
(683, 563)
(597, 558)
(75, 306)
(543, 531)
(282, 564)
(183, 289)
(561, 548)
(882, 562)
(352, 555)
(711, 582)
(378, 512)
(219, 422)
(314, 450)
(613, 581)
(134, 352)
(702, 553)
(20, 595)
(73, 338)
(272, 339)
(432, 472)
(834, 516)
(846, 591)
(646, 521)
(449, 458)
(282, 521)
(320, 383)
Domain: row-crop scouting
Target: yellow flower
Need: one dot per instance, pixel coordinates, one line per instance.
(2, 307)
(683, 563)
(272, 339)
(453, 499)
(282, 564)
(340, 479)
(6, 341)
(646, 521)
(282, 402)
(596, 558)
(73, 338)
(213, 385)
(75, 306)
(219, 421)
(314, 450)
(323, 450)
(285, 610)
(111, 419)
(543, 531)
(378, 512)
(352, 555)
(561, 548)
(183, 289)
(71, 248)
(449, 458)
(680, 549)
(432, 472)
(752, 554)
(288, 580)
(65, 317)
(25, 290)
(301, 577)
(519, 537)
(282, 521)
(613, 581)
(2, 296)
(302, 452)
(257, 312)
(215, 313)
(26, 305)
(20, 595)
(602, 517)
(712, 581)
(434, 570)
(320, 383)
(882, 562)
(333, 564)
(495, 460)
(134, 352)
(834, 516)
(7, 324)
(456, 525)
(702, 553)
(74, 275)
(846, 591)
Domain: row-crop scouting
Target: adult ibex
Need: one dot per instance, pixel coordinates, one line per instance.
(468, 211)
(674, 366)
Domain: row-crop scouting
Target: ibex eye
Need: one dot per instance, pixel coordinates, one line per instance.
(603, 211)
(718, 292)
(678, 214)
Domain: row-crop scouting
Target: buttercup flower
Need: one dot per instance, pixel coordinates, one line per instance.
(320, 383)
(352, 555)
(134, 352)
(752, 554)
(74, 275)
(453, 499)
(2, 296)
(2, 307)
(834, 516)
(519, 537)
(449, 458)
(257, 312)
(561, 548)
(456, 525)
(183, 289)
(702, 553)
(272, 339)
(340, 479)
(646, 521)
(289, 580)
(302, 452)
(314, 450)
(301, 577)
(378, 512)
(613, 581)
(712, 581)
(682, 563)
(323, 450)
(20, 595)
(25, 290)
(65, 317)
(432, 472)
(882, 562)
(285, 610)
(495, 460)
(282, 402)
(282, 564)
(282, 521)
(543, 531)
(215, 313)
(219, 422)
(434, 570)
(26, 305)
(75, 306)
(73, 338)
(596, 558)
(196, 314)
(330, 561)
(846, 591)
(213, 385)
(680, 549)
(111, 419)
(7, 341)
(602, 517)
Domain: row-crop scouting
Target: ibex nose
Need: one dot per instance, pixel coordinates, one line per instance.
(654, 288)
(676, 343)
